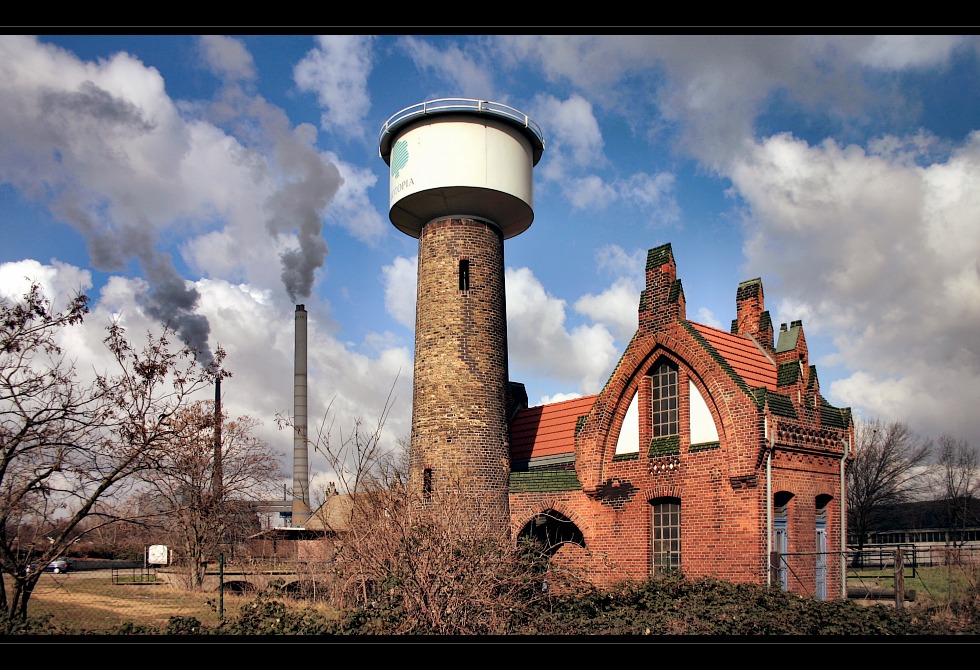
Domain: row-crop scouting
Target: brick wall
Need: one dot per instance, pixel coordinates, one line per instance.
(724, 487)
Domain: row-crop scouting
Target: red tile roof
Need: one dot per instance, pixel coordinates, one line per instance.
(743, 355)
(547, 430)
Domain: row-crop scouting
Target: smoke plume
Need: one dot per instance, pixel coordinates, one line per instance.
(169, 299)
(310, 184)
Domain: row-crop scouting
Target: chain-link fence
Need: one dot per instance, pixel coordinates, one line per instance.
(100, 598)
(933, 574)
(898, 574)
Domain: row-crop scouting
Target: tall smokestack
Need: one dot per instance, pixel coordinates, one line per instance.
(301, 471)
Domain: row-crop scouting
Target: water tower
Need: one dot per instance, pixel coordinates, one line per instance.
(460, 182)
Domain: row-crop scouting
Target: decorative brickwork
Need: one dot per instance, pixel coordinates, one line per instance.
(662, 300)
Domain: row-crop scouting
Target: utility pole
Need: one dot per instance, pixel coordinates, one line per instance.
(217, 481)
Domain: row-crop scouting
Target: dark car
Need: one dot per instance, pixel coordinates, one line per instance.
(57, 565)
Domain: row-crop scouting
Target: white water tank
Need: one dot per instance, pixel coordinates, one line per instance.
(456, 157)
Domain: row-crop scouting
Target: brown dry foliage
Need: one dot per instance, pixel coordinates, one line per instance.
(440, 572)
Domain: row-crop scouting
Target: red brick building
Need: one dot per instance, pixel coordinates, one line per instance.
(707, 451)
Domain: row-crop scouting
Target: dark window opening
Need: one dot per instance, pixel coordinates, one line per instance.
(822, 501)
(464, 274)
(427, 483)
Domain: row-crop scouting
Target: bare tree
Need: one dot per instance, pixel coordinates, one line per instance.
(125, 541)
(888, 469)
(955, 484)
(198, 518)
(66, 443)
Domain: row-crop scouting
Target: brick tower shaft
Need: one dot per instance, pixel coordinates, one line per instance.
(460, 442)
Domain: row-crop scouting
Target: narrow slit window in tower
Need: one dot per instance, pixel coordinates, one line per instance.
(427, 483)
(464, 274)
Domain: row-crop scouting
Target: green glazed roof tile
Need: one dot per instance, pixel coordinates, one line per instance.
(543, 480)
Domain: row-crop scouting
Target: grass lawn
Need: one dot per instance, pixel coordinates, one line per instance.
(89, 603)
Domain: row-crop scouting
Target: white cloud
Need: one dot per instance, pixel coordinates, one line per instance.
(588, 192)
(337, 71)
(615, 308)
(573, 131)
(401, 284)
(351, 208)
(950, 207)
(713, 87)
(613, 260)
(899, 52)
(540, 345)
(467, 76)
(925, 407)
(59, 282)
(576, 156)
(653, 194)
(557, 397)
(881, 254)
(857, 216)
(706, 317)
(591, 62)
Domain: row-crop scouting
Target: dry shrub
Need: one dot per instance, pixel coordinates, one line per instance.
(437, 572)
(394, 565)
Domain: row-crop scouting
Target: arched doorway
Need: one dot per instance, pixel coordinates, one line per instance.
(550, 530)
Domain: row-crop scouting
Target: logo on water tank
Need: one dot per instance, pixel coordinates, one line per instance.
(399, 157)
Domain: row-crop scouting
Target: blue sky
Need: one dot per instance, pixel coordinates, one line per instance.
(167, 176)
